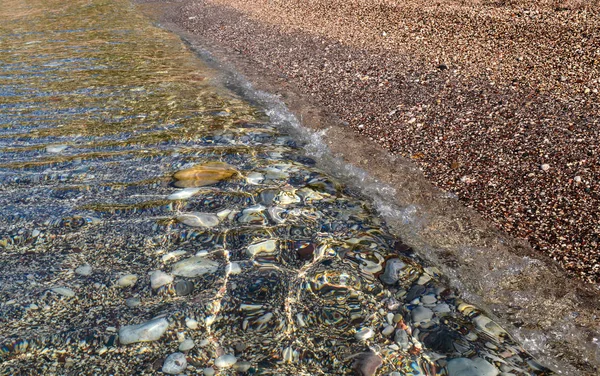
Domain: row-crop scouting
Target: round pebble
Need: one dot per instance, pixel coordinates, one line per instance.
(175, 364)
(364, 333)
(183, 288)
(186, 345)
(225, 361)
(159, 278)
(133, 302)
(127, 280)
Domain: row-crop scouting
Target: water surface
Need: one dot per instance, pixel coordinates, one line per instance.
(135, 190)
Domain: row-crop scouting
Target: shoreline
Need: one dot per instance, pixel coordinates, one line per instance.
(550, 306)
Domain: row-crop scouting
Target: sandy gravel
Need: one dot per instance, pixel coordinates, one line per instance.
(496, 101)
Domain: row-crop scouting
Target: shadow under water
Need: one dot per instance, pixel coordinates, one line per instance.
(146, 212)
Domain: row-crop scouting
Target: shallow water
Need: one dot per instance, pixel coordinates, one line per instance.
(264, 257)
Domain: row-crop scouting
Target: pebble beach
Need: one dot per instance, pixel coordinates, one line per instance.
(496, 102)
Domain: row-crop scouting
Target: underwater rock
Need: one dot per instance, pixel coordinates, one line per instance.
(391, 275)
(195, 266)
(175, 364)
(146, 332)
(199, 219)
(183, 194)
(420, 314)
(366, 364)
(84, 270)
(364, 333)
(55, 148)
(64, 291)
(186, 345)
(268, 247)
(127, 280)
(204, 174)
(183, 288)
(471, 367)
(159, 278)
(225, 361)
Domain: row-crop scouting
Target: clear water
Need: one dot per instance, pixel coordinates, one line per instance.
(266, 257)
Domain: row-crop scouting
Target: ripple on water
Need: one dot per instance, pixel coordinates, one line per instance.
(141, 204)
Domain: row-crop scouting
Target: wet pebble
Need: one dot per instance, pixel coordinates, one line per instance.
(191, 323)
(175, 364)
(146, 332)
(133, 302)
(84, 270)
(414, 292)
(267, 247)
(55, 148)
(242, 367)
(255, 178)
(195, 267)
(441, 308)
(393, 268)
(389, 329)
(127, 280)
(234, 268)
(421, 314)
(199, 219)
(225, 361)
(364, 334)
(366, 364)
(64, 291)
(203, 175)
(208, 371)
(183, 194)
(471, 367)
(186, 345)
(159, 278)
(183, 288)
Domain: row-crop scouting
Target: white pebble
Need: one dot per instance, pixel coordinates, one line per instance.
(577, 179)
(545, 167)
(127, 280)
(208, 371)
(64, 291)
(233, 268)
(186, 345)
(84, 270)
(175, 364)
(56, 148)
(225, 361)
(146, 332)
(191, 323)
(364, 333)
(183, 194)
(159, 278)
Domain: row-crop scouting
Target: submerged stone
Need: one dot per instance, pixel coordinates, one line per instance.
(204, 174)
(195, 267)
(183, 288)
(366, 364)
(84, 270)
(471, 367)
(159, 278)
(146, 332)
(175, 364)
(127, 280)
(199, 219)
(183, 194)
(64, 291)
(225, 361)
